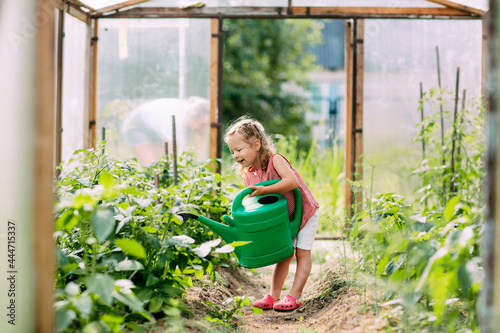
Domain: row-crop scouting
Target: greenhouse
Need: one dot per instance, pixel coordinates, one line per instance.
(129, 201)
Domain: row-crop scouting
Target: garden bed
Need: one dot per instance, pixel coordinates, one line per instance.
(328, 306)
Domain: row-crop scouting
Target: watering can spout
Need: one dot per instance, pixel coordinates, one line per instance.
(227, 232)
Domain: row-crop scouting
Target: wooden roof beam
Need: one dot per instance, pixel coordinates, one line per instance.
(296, 12)
(117, 6)
(464, 8)
(73, 9)
(378, 11)
(80, 4)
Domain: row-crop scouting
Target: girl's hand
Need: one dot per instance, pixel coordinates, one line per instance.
(258, 190)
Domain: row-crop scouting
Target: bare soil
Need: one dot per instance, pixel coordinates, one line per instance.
(330, 304)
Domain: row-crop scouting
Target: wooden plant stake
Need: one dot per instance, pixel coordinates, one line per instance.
(422, 131)
(103, 138)
(454, 135)
(157, 185)
(461, 122)
(442, 122)
(422, 119)
(174, 148)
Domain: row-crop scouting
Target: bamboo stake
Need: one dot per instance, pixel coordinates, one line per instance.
(461, 122)
(103, 138)
(167, 166)
(442, 122)
(157, 186)
(422, 119)
(174, 148)
(422, 131)
(454, 136)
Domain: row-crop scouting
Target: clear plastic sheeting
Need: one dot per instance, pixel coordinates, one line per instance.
(214, 3)
(149, 70)
(365, 3)
(478, 4)
(97, 4)
(399, 54)
(73, 86)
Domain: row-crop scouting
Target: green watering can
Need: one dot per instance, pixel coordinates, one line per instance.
(262, 221)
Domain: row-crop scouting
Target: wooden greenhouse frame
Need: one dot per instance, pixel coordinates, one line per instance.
(50, 84)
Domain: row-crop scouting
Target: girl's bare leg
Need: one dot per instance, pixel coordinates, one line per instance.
(279, 275)
(304, 264)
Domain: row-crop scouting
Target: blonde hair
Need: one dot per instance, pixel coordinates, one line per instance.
(251, 130)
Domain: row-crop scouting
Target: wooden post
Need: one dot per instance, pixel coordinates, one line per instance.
(490, 293)
(43, 194)
(348, 122)
(220, 49)
(213, 89)
(358, 111)
(485, 62)
(93, 115)
(59, 87)
(216, 91)
(87, 84)
(354, 113)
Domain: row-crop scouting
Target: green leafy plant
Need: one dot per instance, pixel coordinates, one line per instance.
(227, 315)
(125, 253)
(426, 257)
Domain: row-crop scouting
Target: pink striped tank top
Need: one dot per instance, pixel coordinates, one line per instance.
(309, 202)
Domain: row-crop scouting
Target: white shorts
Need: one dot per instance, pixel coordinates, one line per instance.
(305, 237)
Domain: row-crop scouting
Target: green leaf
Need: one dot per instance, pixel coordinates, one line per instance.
(171, 311)
(84, 305)
(106, 180)
(67, 221)
(135, 327)
(63, 318)
(102, 285)
(257, 310)
(103, 222)
(133, 303)
(150, 230)
(95, 327)
(152, 280)
(450, 208)
(155, 304)
(129, 265)
(113, 322)
(131, 247)
(143, 202)
(170, 290)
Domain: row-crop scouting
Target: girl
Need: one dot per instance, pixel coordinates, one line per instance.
(255, 157)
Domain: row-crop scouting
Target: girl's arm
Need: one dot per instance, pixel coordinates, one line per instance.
(288, 180)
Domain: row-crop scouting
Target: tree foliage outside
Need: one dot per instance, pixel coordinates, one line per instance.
(260, 57)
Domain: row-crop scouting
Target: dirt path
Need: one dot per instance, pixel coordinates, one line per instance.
(330, 305)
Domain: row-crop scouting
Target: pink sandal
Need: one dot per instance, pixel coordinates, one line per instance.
(265, 303)
(288, 303)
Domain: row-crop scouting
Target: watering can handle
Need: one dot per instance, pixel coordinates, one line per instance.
(297, 219)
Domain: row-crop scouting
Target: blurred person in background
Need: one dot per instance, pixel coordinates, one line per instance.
(149, 127)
